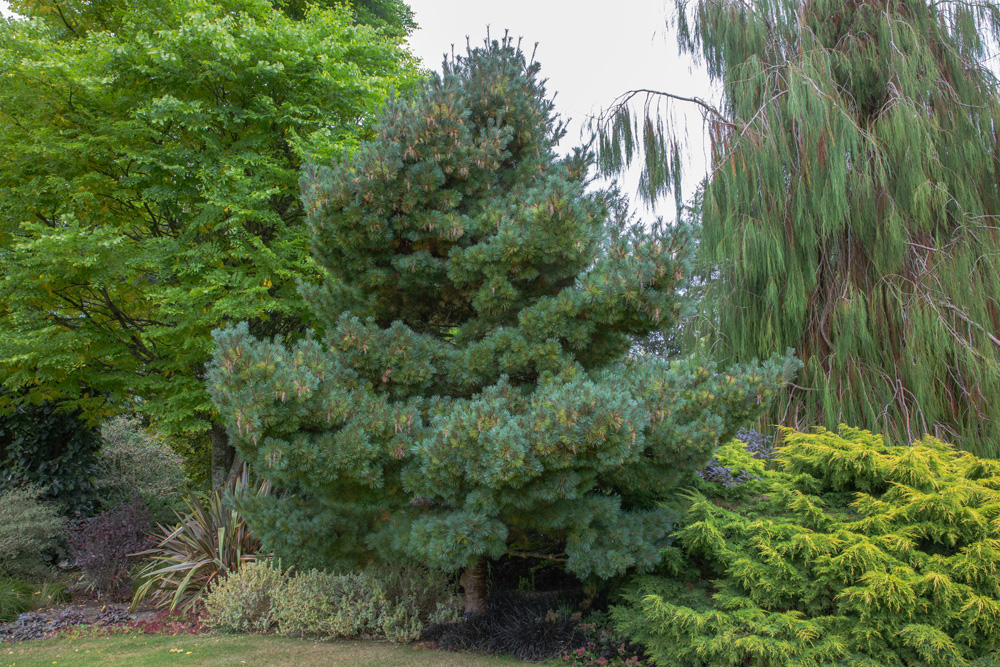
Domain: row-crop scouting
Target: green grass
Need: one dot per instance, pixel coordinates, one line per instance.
(213, 650)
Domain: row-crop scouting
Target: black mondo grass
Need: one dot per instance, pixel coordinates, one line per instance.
(531, 628)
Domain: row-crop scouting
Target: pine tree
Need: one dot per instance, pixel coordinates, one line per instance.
(473, 395)
(852, 207)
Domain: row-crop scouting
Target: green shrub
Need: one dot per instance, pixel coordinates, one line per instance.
(396, 603)
(49, 447)
(132, 463)
(28, 528)
(417, 597)
(243, 602)
(321, 604)
(15, 598)
(853, 553)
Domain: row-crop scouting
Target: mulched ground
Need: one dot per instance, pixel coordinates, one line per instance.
(97, 616)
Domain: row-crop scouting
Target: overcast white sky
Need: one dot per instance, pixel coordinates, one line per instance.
(590, 51)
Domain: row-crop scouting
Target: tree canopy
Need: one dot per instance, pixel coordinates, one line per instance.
(851, 210)
(149, 188)
(473, 395)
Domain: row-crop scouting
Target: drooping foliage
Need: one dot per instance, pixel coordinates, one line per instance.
(148, 191)
(852, 553)
(851, 210)
(471, 396)
(209, 540)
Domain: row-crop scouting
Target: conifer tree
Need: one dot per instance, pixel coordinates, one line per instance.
(472, 395)
(851, 210)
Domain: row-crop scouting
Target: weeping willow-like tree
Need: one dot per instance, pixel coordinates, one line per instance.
(851, 209)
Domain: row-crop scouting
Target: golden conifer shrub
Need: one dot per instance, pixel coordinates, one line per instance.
(850, 552)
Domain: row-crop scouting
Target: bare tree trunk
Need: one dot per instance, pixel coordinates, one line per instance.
(473, 582)
(223, 455)
(236, 469)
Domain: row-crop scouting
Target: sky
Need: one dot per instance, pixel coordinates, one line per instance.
(589, 51)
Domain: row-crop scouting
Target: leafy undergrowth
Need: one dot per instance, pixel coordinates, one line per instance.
(137, 650)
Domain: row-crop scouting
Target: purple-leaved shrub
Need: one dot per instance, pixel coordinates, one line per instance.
(103, 547)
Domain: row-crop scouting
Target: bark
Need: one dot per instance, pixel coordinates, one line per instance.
(473, 582)
(236, 469)
(223, 456)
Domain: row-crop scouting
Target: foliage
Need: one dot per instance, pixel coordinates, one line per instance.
(854, 553)
(50, 594)
(851, 207)
(114, 615)
(15, 598)
(134, 463)
(37, 625)
(473, 388)
(49, 446)
(28, 528)
(395, 603)
(528, 628)
(104, 547)
(211, 540)
(175, 623)
(757, 444)
(325, 605)
(149, 186)
(417, 597)
(605, 646)
(18, 596)
(243, 602)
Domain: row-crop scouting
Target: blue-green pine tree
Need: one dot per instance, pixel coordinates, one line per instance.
(473, 393)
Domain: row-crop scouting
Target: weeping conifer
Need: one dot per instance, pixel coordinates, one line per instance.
(851, 211)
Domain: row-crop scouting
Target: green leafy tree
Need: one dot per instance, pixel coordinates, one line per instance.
(149, 188)
(473, 395)
(852, 206)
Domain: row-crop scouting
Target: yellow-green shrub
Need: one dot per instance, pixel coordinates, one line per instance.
(418, 597)
(853, 553)
(321, 604)
(396, 603)
(243, 602)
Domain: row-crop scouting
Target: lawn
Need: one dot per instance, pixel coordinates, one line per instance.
(209, 651)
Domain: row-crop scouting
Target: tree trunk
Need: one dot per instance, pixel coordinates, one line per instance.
(473, 582)
(236, 469)
(223, 456)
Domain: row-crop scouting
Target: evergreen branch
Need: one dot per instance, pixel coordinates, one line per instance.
(557, 558)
